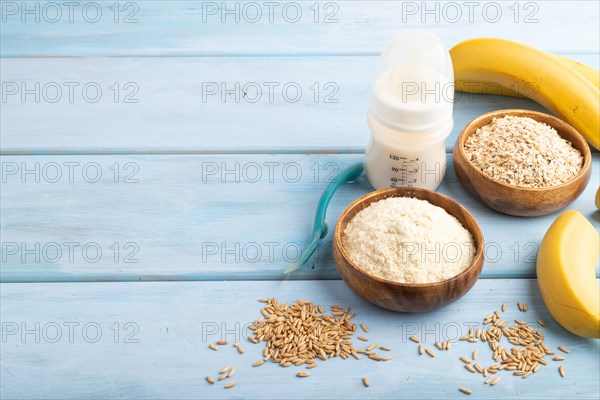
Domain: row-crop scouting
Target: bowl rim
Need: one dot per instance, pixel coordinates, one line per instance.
(337, 237)
(586, 154)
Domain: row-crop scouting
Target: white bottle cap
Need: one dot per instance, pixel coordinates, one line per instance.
(414, 87)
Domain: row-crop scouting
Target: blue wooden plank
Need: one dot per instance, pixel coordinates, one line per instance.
(204, 217)
(303, 27)
(143, 109)
(162, 352)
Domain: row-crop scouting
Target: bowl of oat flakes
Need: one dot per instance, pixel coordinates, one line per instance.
(522, 162)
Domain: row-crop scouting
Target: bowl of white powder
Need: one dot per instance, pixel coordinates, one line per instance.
(408, 249)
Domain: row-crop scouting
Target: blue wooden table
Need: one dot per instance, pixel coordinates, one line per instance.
(161, 162)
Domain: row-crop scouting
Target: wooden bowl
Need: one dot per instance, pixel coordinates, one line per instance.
(407, 297)
(518, 200)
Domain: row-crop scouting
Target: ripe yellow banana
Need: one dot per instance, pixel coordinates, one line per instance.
(591, 73)
(492, 88)
(560, 86)
(566, 272)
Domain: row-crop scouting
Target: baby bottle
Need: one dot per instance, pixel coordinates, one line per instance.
(410, 115)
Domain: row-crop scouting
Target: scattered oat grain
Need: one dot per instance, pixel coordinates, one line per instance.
(297, 333)
(371, 347)
(227, 368)
(465, 390)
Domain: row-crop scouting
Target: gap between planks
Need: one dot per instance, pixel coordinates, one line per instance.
(216, 151)
(204, 278)
(249, 55)
(150, 152)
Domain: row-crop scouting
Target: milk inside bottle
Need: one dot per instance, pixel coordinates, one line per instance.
(410, 115)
